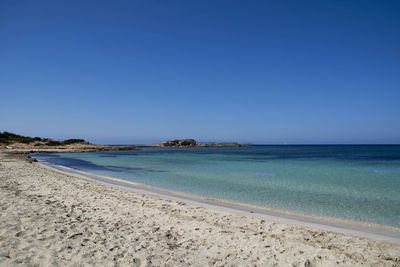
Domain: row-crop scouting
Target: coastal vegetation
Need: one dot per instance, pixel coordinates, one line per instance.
(63, 143)
(10, 138)
(15, 142)
(7, 138)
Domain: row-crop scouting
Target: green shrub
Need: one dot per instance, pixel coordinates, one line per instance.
(7, 137)
(73, 141)
(54, 143)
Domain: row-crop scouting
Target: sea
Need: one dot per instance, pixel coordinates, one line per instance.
(356, 182)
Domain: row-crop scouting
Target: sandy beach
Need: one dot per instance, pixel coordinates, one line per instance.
(52, 218)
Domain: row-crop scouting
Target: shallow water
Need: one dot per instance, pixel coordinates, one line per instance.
(352, 182)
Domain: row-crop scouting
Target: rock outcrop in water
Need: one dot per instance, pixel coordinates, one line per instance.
(192, 143)
(179, 143)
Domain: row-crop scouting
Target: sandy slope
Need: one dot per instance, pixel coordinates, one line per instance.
(48, 218)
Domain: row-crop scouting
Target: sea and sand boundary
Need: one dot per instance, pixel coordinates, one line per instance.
(350, 227)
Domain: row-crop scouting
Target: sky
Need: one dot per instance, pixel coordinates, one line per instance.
(261, 72)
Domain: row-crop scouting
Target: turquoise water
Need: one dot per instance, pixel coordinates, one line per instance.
(352, 182)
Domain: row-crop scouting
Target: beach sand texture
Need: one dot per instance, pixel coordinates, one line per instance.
(50, 218)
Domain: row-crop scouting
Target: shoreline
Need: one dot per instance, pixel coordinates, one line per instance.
(50, 217)
(344, 226)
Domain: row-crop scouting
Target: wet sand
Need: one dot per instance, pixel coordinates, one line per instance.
(54, 218)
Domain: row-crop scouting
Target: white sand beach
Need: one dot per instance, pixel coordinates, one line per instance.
(52, 218)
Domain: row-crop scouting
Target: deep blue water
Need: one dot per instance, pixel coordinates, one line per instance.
(360, 182)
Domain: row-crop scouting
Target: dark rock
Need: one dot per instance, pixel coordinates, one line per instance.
(307, 263)
(179, 143)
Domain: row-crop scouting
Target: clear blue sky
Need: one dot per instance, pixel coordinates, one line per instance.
(247, 71)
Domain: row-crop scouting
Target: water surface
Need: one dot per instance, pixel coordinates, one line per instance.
(351, 182)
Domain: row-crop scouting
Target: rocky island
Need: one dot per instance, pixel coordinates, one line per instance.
(193, 143)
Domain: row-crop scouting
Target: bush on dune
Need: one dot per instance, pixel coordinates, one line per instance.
(9, 138)
(54, 143)
(73, 141)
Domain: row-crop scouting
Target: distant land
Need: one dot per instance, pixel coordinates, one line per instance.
(16, 142)
(11, 141)
(193, 143)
